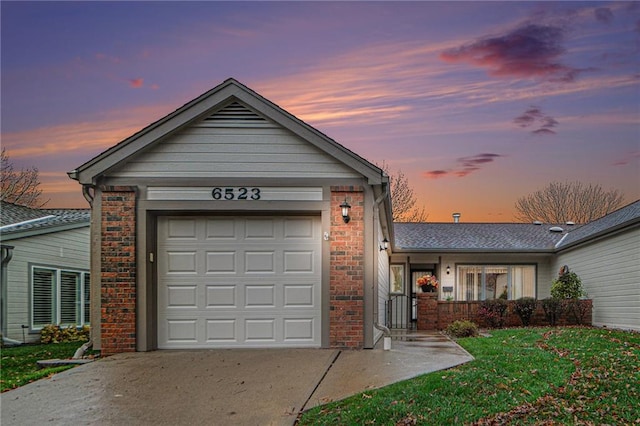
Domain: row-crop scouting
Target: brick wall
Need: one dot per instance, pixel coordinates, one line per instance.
(118, 270)
(346, 282)
(437, 315)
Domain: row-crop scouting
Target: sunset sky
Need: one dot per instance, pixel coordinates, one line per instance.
(478, 103)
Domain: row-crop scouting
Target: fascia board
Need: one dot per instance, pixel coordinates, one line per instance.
(474, 251)
(605, 233)
(112, 157)
(313, 136)
(42, 231)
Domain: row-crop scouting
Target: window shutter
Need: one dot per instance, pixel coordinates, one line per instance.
(69, 298)
(43, 281)
(87, 298)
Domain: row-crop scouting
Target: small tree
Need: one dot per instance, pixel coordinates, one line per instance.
(567, 286)
(553, 309)
(403, 199)
(570, 201)
(19, 187)
(493, 312)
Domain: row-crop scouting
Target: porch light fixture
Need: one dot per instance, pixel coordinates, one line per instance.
(448, 269)
(345, 211)
(385, 244)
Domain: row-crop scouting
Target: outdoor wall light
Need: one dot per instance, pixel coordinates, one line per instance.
(345, 211)
(448, 269)
(385, 245)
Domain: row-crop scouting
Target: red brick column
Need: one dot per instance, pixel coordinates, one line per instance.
(427, 311)
(118, 270)
(346, 282)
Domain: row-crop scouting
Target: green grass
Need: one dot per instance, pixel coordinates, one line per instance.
(520, 376)
(19, 363)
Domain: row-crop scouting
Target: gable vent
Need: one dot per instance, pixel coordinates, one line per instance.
(236, 115)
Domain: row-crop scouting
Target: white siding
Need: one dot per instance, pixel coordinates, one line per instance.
(65, 249)
(611, 277)
(200, 152)
(383, 285)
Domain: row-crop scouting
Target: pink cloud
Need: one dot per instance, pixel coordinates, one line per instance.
(528, 51)
(535, 116)
(136, 83)
(435, 174)
(464, 166)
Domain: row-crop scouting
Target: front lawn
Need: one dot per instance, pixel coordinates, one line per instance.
(19, 363)
(519, 376)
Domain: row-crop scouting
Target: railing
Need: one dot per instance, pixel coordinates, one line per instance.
(397, 312)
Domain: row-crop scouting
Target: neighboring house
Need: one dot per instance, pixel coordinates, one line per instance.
(606, 256)
(45, 269)
(231, 223)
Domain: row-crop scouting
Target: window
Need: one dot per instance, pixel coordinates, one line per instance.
(482, 282)
(397, 279)
(59, 297)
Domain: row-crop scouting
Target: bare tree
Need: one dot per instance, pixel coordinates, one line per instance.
(19, 187)
(569, 201)
(403, 199)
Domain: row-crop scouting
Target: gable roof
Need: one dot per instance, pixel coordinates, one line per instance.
(219, 97)
(624, 217)
(472, 237)
(20, 221)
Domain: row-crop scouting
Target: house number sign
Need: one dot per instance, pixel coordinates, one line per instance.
(241, 193)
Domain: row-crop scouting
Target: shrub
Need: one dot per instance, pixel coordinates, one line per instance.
(577, 309)
(553, 308)
(462, 328)
(58, 334)
(525, 307)
(493, 311)
(567, 286)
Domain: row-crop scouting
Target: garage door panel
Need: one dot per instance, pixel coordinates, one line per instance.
(182, 229)
(181, 262)
(221, 262)
(221, 331)
(182, 296)
(260, 228)
(300, 295)
(221, 229)
(259, 262)
(261, 296)
(298, 261)
(298, 228)
(221, 296)
(240, 282)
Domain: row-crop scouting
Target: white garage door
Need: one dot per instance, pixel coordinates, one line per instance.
(231, 282)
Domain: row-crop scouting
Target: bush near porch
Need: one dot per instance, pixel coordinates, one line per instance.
(436, 314)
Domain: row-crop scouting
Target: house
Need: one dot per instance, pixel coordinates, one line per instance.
(478, 261)
(231, 223)
(45, 269)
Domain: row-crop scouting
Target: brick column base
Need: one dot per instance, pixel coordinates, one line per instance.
(427, 311)
(118, 270)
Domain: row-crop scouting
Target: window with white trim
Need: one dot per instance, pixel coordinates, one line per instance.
(59, 296)
(482, 282)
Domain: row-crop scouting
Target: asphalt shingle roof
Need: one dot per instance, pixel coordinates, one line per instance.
(15, 218)
(514, 237)
(621, 217)
(475, 236)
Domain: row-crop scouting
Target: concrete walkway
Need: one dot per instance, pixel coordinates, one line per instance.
(219, 387)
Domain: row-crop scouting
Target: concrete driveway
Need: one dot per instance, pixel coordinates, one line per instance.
(220, 387)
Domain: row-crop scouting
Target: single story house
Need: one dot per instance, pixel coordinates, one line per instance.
(45, 270)
(232, 223)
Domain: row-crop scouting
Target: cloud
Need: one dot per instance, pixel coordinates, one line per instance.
(529, 51)
(535, 116)
(464, 166)
(604, 15)
(629, 158)
(136, 83)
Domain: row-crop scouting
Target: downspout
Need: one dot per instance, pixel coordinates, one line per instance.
(7, 254)
(386, 332)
